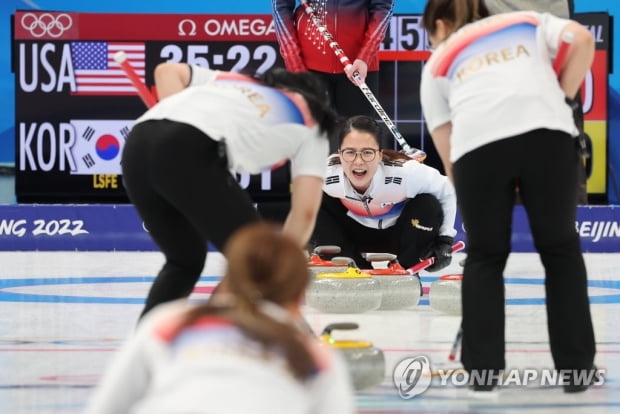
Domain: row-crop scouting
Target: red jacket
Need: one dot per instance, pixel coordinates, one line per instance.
(357, 25)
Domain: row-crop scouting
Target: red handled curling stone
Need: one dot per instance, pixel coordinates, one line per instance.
(316, 264)
(445, 294)
(400, 289)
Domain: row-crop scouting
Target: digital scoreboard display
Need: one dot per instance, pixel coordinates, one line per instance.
(75, 106)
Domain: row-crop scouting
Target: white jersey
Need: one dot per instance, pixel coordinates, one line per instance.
(262, 126)
(211, 367)
(392, 185)
(494, 79)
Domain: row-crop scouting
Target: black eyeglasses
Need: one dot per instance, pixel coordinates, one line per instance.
(367, 154)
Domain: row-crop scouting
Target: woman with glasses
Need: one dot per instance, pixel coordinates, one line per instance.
(379, 200)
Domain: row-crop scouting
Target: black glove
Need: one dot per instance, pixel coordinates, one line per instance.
(442, 252)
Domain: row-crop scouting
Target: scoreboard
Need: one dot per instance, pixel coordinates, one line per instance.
(74, 106)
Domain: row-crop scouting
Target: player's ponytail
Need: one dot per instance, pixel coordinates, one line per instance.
(456, 13)
(312, 89)
(266, 275)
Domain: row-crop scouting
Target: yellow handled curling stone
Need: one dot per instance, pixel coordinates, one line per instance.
(365, 362)
(351, 291)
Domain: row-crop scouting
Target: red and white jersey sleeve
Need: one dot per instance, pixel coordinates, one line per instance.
(358, 26)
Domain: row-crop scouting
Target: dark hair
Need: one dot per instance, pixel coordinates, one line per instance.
(264, 266)
(367, 124)
(360, 123)
(311, 87)
(456, 12)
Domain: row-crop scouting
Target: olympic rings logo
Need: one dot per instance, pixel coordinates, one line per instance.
(46, 24)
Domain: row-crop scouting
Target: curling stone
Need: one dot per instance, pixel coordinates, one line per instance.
(316, 264)
(400, 289)
(351, 291)
(365, 362)
(445, 294)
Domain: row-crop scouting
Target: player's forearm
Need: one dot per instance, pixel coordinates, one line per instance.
(171, 78)
(578, 60)
(299, 226)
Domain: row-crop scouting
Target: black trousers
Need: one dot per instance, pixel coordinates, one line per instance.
(408, 242)
(347, 98)
(542, 164)
(181, 187)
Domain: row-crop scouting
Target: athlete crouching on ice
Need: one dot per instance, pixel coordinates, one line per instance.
(245, 351)
(178, 159)
(379, 200)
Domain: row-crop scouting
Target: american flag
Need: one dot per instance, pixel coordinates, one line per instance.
(96, 71)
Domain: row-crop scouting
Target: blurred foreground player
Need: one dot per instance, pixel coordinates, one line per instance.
(245, 351)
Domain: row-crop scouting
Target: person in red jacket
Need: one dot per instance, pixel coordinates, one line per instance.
(357, 25)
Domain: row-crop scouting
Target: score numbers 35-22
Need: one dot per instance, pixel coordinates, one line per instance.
(223, 56)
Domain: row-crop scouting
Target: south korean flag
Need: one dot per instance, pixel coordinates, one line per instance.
(99, 145)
